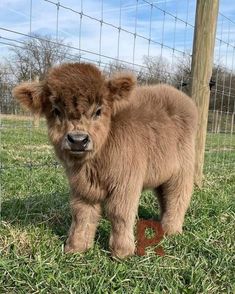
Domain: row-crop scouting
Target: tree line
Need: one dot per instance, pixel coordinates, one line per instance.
(32, 60)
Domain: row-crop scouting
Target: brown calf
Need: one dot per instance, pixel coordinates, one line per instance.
(115, 139)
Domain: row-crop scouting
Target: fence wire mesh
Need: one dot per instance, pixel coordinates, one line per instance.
(152, 38)
(220, 138)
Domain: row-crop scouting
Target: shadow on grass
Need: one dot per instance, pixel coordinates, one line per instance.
(147, 213)
(52, 211)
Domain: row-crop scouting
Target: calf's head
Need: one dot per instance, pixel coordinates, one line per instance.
(78, 104)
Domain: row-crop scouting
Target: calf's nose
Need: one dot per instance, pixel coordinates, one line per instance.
(78, 140)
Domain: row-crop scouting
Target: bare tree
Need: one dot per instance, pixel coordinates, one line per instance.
(155, 70)
(115, 66)
(221, 105)
(30, 61)
(223, 98)
(182, 73)
(7, 105)
(36, 56)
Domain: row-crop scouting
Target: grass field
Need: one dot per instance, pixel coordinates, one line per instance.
(35, 219)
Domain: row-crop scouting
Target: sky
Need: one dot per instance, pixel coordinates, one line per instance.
(168, 24)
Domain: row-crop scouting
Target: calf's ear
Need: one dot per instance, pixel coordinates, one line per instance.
(30, 96)
(121, 85)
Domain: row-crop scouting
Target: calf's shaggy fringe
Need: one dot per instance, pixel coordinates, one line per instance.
(140, 137)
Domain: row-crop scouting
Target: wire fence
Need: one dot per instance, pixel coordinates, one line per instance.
(222, 102)
(152, 38)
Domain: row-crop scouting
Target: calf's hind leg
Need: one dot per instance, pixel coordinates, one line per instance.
(174, 198)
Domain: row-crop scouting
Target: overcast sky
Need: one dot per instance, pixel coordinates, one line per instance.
(176, 36)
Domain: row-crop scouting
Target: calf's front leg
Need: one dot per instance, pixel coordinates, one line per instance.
(121, 210)
(85, 217)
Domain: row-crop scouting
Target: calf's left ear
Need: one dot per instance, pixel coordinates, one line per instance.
(30, 95)
(121, 85)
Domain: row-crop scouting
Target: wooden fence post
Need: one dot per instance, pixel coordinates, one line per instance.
(201, 71)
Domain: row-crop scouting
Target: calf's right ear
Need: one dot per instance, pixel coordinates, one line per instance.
(30, 96)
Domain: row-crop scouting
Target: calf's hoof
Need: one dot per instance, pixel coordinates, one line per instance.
(122, 253)
(120, 249)
(170, 228)
(78, 247)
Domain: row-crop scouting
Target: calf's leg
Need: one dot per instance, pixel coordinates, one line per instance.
(174, 198)
(85, 219)
(121, 210)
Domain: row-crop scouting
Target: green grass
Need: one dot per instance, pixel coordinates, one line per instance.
(35, 219)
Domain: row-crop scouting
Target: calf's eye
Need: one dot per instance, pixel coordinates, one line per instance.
(57, 112)
(97, 114)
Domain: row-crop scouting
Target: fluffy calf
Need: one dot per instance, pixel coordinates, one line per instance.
(115, 139)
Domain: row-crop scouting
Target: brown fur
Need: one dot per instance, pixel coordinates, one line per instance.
(144, 138)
